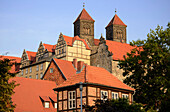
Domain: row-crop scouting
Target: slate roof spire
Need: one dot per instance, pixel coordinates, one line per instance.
(84, 15)
(116, 21)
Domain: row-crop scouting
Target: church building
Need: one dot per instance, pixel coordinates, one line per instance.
(83, 46)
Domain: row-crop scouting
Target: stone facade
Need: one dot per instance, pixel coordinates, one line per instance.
(116, 33)
(102, 57)
(56, 75)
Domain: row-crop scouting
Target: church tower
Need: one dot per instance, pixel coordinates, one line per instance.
(84, 27)
(116, 30)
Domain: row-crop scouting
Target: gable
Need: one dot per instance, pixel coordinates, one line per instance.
(56, 76)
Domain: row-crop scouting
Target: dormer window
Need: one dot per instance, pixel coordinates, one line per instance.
(55, 105)
(45, 101)
(54, 101)
(46, 104)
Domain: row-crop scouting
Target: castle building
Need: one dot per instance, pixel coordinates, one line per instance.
(83, 47)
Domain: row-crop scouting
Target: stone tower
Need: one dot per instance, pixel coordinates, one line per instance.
(84, 27)
(116, 30)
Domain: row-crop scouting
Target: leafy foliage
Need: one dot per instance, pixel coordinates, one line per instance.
(120, 105)
(147, 68)
(6, 87)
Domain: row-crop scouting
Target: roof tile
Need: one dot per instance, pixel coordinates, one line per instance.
(27, 94)
(70, 41)
(84, 16)
(114, 47)
(116, 21)
(50, 48)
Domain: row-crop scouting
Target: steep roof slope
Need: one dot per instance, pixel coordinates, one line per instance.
(117, 48)
(14, 68)
(31, 55)
(70, 40)
(84, 15)
(27, 94)
(66, 67)
(95, 75)
(50, 48)
(116, 21)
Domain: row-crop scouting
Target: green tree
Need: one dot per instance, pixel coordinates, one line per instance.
(147, 68)
(6, 86)
(120, 105)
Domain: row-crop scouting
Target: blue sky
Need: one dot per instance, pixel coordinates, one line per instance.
(24, 23)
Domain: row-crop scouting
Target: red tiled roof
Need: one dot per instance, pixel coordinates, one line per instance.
(27, 94)
(115, 47)
(66, 67)
(12, 58)
(50, 48)
(95, 75)
(116, 20)
(84, 16)
(14, 68)
(31, 55)
(70, 41)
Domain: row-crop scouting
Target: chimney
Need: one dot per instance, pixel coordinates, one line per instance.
(80, 65)
(75, 63)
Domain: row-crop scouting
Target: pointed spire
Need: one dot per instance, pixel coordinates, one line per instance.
(102, 39)
(61, 35)
(84, 15)
(116, 21)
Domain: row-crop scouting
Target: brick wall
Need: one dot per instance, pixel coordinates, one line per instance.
(55, 76)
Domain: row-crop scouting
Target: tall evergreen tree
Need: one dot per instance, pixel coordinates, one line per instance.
(147, 68)
(6, 86)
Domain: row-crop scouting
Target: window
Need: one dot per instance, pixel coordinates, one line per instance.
(51, 70)
(47, 104)
(36, 76)
(125, 96)
(26, 70)
(115, 95)
(30, 69)
(25, 76)
(41, 75)
(72, 99)
(37, 68)
(62, 50)
(59, 52)
(104, 95)
(22, 72)
(41, 66)
(30, 76)
(55, 105)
